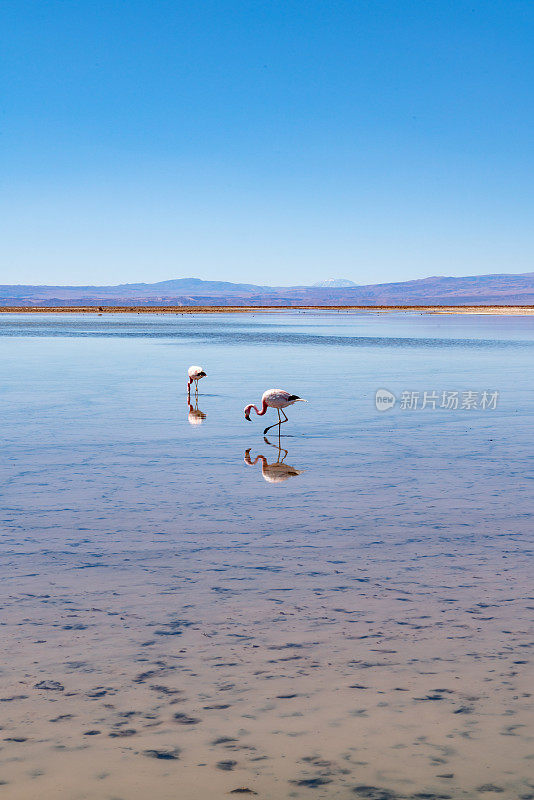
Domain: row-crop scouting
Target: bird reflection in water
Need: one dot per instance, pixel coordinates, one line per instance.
(195, 415)
(276, 472)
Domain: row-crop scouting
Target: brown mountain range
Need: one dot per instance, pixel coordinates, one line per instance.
(474, 290)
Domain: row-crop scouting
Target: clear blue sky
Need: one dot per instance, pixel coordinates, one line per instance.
(271, 141)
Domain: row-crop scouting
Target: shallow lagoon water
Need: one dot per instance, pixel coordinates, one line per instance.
(181, 619)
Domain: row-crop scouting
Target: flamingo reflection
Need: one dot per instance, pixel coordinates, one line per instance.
(195, 415)
(276, 472)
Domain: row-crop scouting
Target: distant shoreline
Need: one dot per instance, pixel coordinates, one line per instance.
(470, 309)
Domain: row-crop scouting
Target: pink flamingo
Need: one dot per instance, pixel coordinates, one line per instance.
(194, 374)
(274, 398)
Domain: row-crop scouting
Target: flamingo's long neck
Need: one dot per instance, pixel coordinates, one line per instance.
(251, 463)
(189, 382)
(259, 413)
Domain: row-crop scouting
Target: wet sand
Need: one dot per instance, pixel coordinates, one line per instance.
(381, 667)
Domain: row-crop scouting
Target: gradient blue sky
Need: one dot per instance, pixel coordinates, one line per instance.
(269, 141)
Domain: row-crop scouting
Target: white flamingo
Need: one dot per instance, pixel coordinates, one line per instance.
(274, 398)
(195, 374)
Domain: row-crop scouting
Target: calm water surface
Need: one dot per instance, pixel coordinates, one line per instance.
(190, 611)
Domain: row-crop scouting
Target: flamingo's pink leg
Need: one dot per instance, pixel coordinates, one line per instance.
(280, 422)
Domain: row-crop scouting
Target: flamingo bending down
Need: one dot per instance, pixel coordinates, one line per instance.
(195, 374)
(274, 398)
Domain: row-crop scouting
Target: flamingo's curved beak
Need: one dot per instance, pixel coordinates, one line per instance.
(247, 418)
